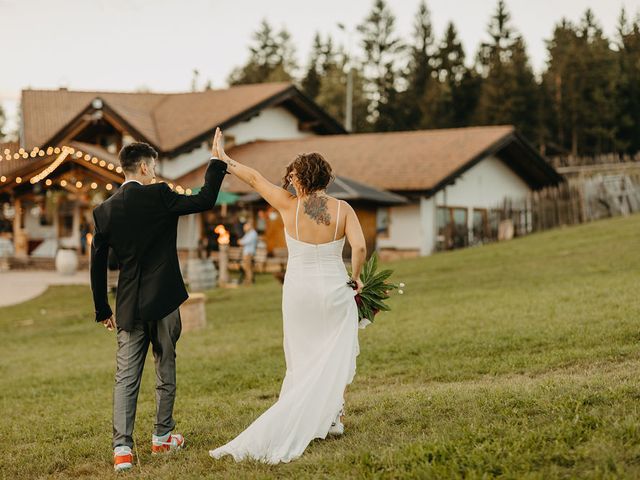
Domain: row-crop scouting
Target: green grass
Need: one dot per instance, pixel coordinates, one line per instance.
(517, 360)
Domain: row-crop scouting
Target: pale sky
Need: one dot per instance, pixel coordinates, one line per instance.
(129, 44)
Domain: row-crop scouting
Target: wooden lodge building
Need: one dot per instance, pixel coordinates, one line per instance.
(407, 187)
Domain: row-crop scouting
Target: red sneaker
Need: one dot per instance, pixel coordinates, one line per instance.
(171, 444)
(122, 459)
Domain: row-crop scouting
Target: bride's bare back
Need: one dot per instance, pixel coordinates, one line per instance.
(318, 218)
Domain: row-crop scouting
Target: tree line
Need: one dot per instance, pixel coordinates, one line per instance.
(585, 102)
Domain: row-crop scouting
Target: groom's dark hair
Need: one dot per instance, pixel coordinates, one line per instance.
(131, 155)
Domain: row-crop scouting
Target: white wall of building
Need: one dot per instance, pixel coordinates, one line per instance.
(485, 185)
(428, 226)
(183, 164)
(275, 123)
(404, 228)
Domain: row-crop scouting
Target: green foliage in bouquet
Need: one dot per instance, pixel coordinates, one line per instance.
(375, 289)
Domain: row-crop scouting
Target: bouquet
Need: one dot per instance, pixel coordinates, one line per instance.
(375, 290)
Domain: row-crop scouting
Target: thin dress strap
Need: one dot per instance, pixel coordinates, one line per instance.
(335, 235)
(297, 208)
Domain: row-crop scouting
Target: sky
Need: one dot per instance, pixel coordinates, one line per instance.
(127, 45)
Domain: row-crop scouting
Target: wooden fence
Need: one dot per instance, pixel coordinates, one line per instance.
(570, 203)
(598, 197)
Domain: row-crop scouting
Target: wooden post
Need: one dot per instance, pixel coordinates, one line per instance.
(20, 244)
(223, 264)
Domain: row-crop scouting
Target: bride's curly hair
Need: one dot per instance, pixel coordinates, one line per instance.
(312, 170)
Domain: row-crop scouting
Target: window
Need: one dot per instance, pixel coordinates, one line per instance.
(383, 219)
(452, 227)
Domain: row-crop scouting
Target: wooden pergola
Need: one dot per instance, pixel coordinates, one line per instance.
(76, 176)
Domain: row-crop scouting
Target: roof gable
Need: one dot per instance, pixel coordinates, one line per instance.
(166, 120)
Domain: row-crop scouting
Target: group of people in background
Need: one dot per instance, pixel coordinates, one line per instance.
(242, 233)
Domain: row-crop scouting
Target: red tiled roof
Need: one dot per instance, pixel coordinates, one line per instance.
(398, 161)
(167, 120)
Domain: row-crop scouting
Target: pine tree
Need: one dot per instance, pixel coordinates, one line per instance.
(382, 50)
(509, 92)
(332, 94)
(419, 73)
(271, 59)
(456, 92)
(628, 89)
(312, 79)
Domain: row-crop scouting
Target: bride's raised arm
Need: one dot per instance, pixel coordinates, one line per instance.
(276, 196)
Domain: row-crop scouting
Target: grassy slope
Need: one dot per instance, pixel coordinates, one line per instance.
(518, 359)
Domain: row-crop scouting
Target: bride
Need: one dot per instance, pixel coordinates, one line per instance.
(320, 315)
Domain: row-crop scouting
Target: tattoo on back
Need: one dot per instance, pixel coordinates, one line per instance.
(316, 208)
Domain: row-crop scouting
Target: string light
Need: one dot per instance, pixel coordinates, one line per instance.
(49, 170)
(63, 152)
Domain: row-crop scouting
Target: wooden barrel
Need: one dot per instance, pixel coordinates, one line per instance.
(192, 313)
(201, 274)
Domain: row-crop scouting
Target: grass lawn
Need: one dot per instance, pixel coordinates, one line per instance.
(518, 360)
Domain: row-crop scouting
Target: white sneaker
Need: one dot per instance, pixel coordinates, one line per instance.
(122, 458)
(337, 428)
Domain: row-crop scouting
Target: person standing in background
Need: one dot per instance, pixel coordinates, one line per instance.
(249, 243)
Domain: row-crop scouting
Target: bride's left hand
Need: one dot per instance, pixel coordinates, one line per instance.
(219, 149)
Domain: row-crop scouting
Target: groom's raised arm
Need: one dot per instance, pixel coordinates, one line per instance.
(205, 199)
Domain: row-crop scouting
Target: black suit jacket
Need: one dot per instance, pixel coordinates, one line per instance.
(140, 224)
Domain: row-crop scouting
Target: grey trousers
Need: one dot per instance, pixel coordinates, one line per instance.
(132, 351)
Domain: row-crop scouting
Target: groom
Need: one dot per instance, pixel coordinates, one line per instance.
(139, 222)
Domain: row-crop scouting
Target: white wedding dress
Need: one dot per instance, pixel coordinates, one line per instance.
(320, 322)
